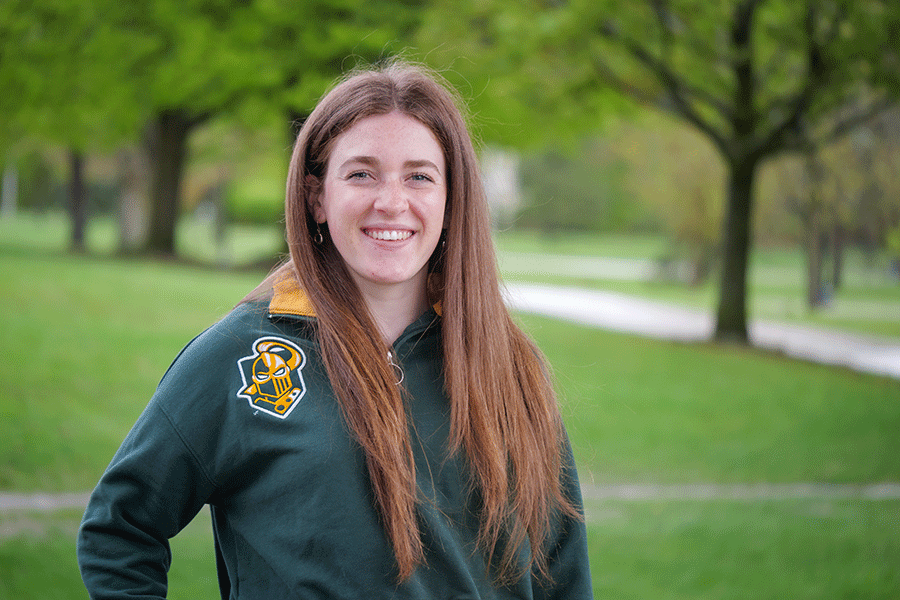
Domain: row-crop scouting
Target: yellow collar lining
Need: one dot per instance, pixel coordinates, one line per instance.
(289, 299)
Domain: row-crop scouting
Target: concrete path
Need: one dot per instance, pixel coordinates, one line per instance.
(738, 491)
(10, 502)
(620, 312)
(43, 502)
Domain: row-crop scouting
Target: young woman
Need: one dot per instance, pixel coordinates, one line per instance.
(369, 423)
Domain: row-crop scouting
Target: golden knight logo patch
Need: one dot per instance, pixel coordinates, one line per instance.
(272, 379)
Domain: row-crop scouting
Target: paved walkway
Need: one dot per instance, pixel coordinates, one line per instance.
(620, 312)
(43, 502)
(739, 491)
(619, 491)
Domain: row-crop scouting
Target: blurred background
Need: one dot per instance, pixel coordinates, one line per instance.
(734, 159)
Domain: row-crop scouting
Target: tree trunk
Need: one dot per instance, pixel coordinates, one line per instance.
(838, 244)
(132, 200)
(295, 123)
(10, 193)
(731, 315)
(814, 292)
(77, 200)
(167, 149)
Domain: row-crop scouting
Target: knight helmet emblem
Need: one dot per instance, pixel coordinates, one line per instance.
(272, 379)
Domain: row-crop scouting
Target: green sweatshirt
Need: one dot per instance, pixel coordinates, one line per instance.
(245, 420)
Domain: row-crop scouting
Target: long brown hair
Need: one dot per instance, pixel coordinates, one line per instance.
(504, 416)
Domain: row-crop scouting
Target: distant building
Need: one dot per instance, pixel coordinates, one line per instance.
(500, 172)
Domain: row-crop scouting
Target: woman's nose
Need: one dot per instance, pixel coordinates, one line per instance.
(392, 198)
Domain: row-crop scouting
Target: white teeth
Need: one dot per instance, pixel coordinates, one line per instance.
(388, 235)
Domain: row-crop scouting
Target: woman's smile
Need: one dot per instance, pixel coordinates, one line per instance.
(388, 235)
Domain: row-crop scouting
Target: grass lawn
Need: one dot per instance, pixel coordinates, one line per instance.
(641, 410)
(685, 550)
(767, 550)
(85, 341)
(37, 558)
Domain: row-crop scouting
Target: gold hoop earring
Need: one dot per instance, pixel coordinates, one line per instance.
(318, 239)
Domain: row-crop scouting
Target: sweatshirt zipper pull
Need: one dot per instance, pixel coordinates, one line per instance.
(398, 372)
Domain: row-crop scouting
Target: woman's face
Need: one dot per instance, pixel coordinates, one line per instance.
(383, 198)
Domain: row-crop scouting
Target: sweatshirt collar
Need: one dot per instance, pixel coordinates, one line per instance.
(289, 299)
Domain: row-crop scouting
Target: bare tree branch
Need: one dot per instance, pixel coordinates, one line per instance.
(788, 132)
(859, 117)
(640, 95)
(679, 91)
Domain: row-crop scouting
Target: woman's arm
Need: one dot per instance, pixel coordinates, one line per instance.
(152, 488)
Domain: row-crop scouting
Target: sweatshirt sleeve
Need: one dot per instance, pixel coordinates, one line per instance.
(151, 490)
(567, 557)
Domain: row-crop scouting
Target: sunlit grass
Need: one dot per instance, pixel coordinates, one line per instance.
(687, 550)
(196, 238)
(764, 550)
(641, 410)
(38, 562)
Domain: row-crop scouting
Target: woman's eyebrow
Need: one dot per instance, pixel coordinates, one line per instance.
(418, 164)
(371, 161)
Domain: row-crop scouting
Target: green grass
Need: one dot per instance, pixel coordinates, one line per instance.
(37, 558)
(195, 238)
(582, 244)
(86, 339)
(641, 410)
(711, 550)
(766, 550)
(85, 342)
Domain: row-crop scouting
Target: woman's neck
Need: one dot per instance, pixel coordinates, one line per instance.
(394, 308)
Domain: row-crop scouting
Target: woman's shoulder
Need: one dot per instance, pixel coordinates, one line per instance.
(230, 336)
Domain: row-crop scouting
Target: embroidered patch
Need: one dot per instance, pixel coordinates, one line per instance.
(272, 379)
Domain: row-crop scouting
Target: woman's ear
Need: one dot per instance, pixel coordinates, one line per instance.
(314, 198)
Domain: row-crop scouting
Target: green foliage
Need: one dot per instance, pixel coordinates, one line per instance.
(255, 200)
(61, 60)
(756, 78)
(578, 191)
(39, 186)
(893, 242)
(497, 54)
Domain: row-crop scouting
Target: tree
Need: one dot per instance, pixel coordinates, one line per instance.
(208, 58)
(48, 51)
(841, 193)
(756, 77)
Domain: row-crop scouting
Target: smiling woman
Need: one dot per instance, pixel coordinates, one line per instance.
(369, 422)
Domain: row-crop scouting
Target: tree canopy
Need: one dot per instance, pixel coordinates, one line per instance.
(756, 77)
(90, 71)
